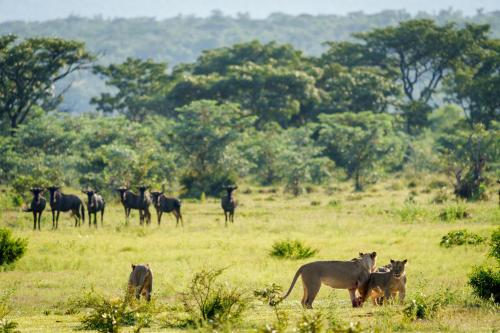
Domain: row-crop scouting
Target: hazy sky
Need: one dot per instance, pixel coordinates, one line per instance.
(40, 10)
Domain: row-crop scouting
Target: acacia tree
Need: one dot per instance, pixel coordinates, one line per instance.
(475, 81)
(360, 143)
(201, 135)
(30, 68)
(139, 84)
(424, 53)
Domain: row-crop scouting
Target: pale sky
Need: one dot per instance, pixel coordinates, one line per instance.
(40, 10)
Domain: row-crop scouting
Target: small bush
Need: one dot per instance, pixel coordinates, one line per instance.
(11, 249)
(412, 184)
(310, 323)
(210, 302)
(454, 212)
(292, 249)
(422, 307)
(109, 315)
(272, 296)
(315, 203)
(460, 237)
(333, 203)
(410, 212)
(485, 282)
(495, 244)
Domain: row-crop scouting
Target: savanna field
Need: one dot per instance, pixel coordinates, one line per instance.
(397, 218)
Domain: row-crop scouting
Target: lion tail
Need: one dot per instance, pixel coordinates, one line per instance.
(299, 272)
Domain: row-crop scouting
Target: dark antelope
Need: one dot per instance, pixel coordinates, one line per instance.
(139, 201)
(60, 202)
(95, 204)
(37, 205)
(164, 204)
(229, 203)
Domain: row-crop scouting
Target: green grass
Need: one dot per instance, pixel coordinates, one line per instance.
(60, 266)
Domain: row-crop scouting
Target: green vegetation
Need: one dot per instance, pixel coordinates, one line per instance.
(11, 249)
(460, 237)
(485, 281)
(292, 249)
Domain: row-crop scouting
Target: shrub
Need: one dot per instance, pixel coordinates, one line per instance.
(315, 203)
(485, 282)
(454, 212)
(6, 326)
(460, 237)
(422, 307)
(333, 203)
(310, 323)
(410, 212)
(109, 315)
(11, 249)
(292, 249)
(210, 302)
(412, 184)
(441, 196)
(495, 244)
(272, 296)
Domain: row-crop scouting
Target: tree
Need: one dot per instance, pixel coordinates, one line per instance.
(28, 71)
(360, 143)
(424, 52)
(475, 82)
(202, 133)
(467, 154)
(140, 84)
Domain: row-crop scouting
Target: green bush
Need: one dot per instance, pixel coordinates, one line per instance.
(11, 249)
(454, 212)
(310, 323)
(495, 244)
(109, 315)
(213, 303)
(423, 307)
(460, 237)
(485, 282)
(6, 326)
(292, 249)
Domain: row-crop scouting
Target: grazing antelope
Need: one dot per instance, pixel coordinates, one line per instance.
(229, 203)
(60, 202)
(164, 204)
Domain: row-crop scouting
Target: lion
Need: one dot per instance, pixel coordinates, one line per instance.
(385, 285)
(349, 275)
(140, 281)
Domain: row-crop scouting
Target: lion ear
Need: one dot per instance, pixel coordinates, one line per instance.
(133, 266)
(360, 254)
(405, 261)
(392, 261)
(374, 254)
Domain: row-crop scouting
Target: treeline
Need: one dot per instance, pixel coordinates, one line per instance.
(182, 39)
(265, 112)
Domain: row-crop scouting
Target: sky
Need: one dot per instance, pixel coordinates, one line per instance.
(41, 10)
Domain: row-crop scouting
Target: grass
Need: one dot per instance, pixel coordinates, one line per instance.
(61, 266)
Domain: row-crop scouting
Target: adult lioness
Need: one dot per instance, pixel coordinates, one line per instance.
(349, 275)
(140, 281)
(385, 285)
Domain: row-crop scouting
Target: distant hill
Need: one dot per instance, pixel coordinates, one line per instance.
(183, 38)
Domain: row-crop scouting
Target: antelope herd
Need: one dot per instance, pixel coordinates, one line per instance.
(60, 202)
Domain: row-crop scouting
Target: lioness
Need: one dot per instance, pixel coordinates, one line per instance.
(385, 285)
(348, 275)
(140, 281)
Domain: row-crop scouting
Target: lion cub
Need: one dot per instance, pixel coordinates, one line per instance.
(385, 285)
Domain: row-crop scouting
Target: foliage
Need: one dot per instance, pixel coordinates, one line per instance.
(292, 249)
(460, 237)
(411, 212)
(11, 249)
(271, 296)
(495, 244)
(210, 302)
(109, 315)
(6, 325)
(139, 84)
(203, 133)
(485, 282)
(423, 307)
(454, 212)
(310, 323)
(360, 143)
(467, 154)
(28, 71)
